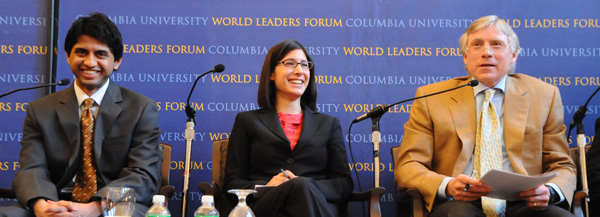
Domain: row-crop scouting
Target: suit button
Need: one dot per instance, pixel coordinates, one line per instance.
(290, 160)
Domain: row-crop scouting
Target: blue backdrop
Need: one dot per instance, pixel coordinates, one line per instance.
(366, 53)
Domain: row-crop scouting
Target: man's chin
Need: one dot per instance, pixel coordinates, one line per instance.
(96, 83)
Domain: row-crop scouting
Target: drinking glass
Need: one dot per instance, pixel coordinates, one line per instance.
(242, 209)
(118, 202)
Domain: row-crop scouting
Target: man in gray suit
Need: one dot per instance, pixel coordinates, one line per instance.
(125, 137)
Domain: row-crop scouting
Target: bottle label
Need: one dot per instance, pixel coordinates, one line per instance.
(158, 215)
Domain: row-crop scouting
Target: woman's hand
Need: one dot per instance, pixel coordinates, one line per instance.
(281, 178)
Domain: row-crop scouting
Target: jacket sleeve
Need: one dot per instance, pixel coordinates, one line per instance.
(33, 178)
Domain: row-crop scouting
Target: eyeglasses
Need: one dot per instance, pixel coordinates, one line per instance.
(290, 63)
(477, 48)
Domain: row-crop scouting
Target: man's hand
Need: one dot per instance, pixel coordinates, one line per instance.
(456, 186)
(47, 208)
(43, 208)
(536, 198)
(281, 178)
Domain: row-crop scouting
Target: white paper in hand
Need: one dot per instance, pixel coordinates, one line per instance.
(507, 185)
(261, 190)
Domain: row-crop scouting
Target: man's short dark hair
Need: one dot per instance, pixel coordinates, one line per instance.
(98, 26)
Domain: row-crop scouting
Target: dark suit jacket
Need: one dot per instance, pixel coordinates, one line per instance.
(593, 172)
(126, 147)
(258, 149)
(439, 137)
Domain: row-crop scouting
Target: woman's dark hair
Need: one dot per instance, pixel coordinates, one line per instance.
(98, 26)
(266, 87)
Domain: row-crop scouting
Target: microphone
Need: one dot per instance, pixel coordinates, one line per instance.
(189, 136)
(189, 111)
(218, 68)
(382, 109)
(578, 116)
(64, 81)
(580, 113)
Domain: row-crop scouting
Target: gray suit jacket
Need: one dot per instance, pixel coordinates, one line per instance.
(126, 147)
(439, 137)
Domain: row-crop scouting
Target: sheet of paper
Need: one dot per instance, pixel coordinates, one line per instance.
(261, 190)
(507, 185)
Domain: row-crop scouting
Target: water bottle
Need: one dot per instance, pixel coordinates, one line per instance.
(208, 208)
(158, 209)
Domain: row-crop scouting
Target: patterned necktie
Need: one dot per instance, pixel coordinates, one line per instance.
(488, 151)
(85, 182)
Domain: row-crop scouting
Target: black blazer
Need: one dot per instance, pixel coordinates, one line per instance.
(593, 172)
(258, 149)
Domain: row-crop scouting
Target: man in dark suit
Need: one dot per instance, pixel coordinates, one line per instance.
(439, 149)
(125, 137)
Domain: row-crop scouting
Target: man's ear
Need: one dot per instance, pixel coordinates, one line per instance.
(117, 64)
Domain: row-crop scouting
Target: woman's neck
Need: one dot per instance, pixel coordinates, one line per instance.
(288, 107)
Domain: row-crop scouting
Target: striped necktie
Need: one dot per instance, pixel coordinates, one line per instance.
(488, 151)
(85, 182)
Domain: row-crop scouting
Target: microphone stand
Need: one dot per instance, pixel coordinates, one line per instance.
(62, 82)
(578, 122)
(189, 136)
(582, 163)
(375, 115)
(376, 138)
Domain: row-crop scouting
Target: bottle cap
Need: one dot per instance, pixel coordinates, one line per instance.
(158, 199)
(207, 199)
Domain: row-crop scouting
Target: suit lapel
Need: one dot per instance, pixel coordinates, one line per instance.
(67, 112)
(462, 109)
(310, 124)
(271, 120)
(516, 108)
(108, 113)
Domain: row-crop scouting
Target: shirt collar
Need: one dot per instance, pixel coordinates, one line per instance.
(97, 96)
(500, 85)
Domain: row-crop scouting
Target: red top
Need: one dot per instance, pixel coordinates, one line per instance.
(292, 125)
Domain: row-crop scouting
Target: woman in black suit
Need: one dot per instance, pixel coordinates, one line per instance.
(288, 134)
(593, 172)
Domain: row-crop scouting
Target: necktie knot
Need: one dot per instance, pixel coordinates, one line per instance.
(489, 93)
(88, 102)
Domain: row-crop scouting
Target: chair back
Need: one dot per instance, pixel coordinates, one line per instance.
(165, 189)
(219, 161)
(218, 176)
(165, 164)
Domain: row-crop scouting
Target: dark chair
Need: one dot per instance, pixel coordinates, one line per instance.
(221, 202)
(412, 200)
(7, 193)
(165, 189)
